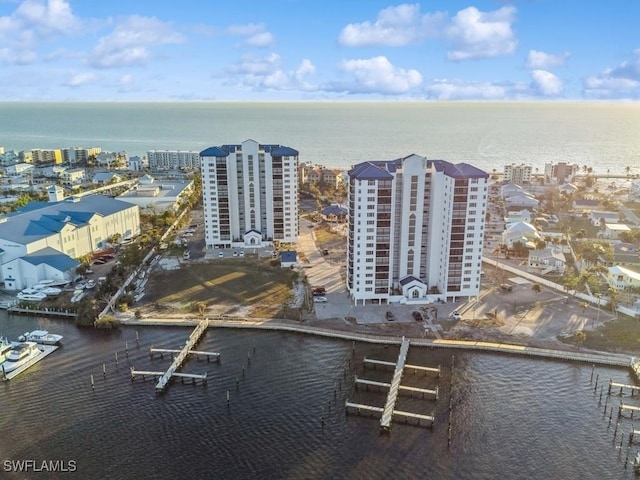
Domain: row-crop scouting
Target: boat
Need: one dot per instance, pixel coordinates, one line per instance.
(31, 297)
(51, 291)
(21, 353)
(5, 349)
(89, 285)
(40, 336)
(636, 463)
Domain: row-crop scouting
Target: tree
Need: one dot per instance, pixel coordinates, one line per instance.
(536, 288)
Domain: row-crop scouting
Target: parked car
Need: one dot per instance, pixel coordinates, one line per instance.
(417, 316)
(242, 253)
(235, 254)
(455, 315)
(319, 299)
(390, 316)
(319, 291)
(186, 255)
(325, 252)
(221, 254)
(506, 287)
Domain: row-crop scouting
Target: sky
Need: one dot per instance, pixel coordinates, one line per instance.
(312, 50)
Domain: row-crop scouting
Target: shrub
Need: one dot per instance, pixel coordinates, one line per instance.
(107, 322)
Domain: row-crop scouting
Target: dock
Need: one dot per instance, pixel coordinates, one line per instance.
(182, 376)
(44, 351)
(198, 353)
(163, 378)
(415, 368)
(630, 408)
(387, 414)
(420, 420)
(622, 386)
(401, 388)
(41, 312)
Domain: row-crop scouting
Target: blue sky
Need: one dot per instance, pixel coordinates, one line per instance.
(271, 50)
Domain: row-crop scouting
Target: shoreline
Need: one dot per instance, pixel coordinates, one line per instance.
(593, 357)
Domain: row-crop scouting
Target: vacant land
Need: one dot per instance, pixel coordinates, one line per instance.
(241, 286)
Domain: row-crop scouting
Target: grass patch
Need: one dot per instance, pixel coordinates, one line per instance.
(622, 334)
(233, 283)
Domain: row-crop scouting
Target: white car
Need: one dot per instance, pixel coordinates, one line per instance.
(319, 299)
(455, 315)
(241, 253)
(221, 254)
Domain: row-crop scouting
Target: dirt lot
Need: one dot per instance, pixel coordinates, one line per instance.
(237, 286)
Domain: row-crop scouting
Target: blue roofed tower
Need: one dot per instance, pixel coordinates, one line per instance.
(250, 194)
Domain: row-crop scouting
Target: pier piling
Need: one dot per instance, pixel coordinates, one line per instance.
(93, 386)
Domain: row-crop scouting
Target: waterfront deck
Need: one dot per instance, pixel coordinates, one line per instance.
(197, 353)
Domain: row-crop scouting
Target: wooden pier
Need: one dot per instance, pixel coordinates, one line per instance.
(632, 435)
(198, 353)
(622, 387)
(415, 368)
(630, 408)
(182, 376)
(401, 388)
(387, 413)
(178, 360)
(421, 420)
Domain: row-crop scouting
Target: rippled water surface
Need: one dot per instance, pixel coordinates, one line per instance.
(512, 417)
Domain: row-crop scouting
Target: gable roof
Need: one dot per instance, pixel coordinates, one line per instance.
(53, 258)
(43, 219)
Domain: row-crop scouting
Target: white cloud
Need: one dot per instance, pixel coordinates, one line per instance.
(394, 26)
(476, 34)
(546, 84)
(77, 79)
(32, 23)
(126, 83)
(445, 89)
(255, 34)
(260, 73)
(131, 42)
(622, 81)
(544, 61)
(377, 75)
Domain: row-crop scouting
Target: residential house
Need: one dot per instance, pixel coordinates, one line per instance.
(613, 230)
(548, 261)
(522, 232)
(105, 178)
(623, 278)
(598, 218)
(334, 213)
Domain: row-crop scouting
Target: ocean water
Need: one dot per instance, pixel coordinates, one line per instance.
(340, 134)
(512, 418)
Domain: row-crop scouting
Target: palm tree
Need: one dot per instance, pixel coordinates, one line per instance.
(627, 169)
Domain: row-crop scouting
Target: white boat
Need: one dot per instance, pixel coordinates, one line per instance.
(636, 463)
(21, 353)
(5, 349)
(89, 285)
(31, 297)
(40, 336)
(51, 291)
